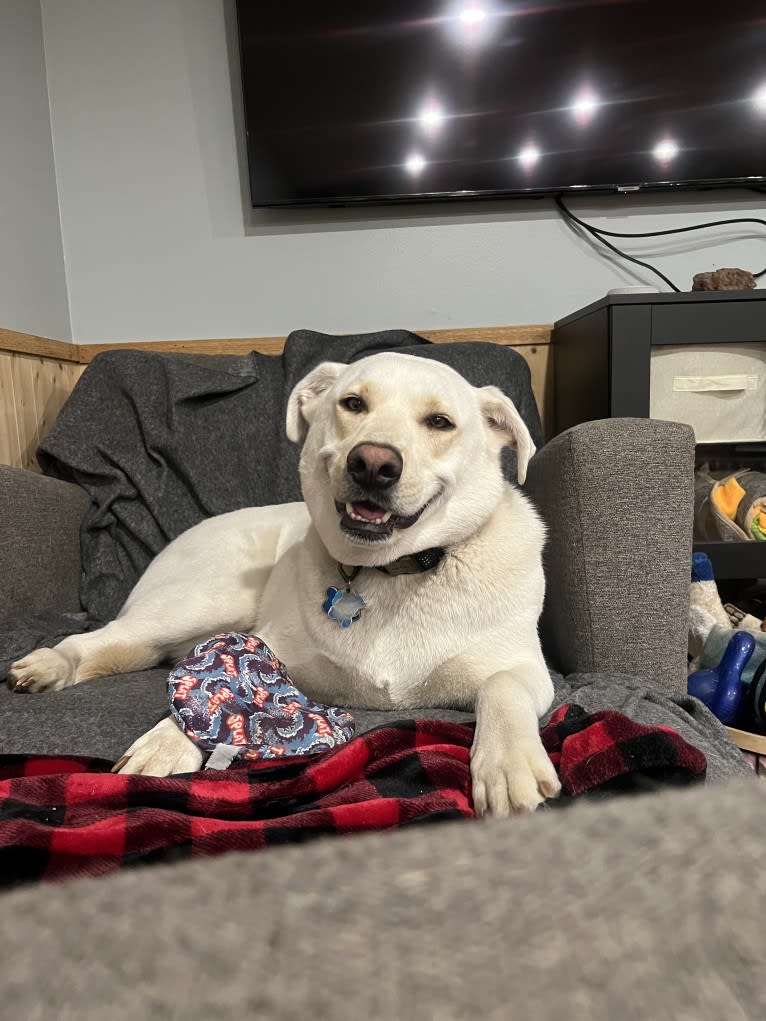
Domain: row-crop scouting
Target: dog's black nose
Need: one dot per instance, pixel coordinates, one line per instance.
(374, 465)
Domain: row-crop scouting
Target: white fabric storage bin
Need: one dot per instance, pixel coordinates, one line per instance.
(717, 389)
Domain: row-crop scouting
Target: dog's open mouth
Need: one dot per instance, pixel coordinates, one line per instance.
(368, 520)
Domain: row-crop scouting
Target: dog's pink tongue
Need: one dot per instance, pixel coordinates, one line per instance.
(368, 511)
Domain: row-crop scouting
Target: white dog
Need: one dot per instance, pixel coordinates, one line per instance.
(407, 508)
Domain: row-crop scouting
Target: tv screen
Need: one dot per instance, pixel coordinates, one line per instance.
(351, 101)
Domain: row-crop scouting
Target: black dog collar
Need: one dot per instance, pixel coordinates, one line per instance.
(345, 605)
(413, 563)
(416, 563)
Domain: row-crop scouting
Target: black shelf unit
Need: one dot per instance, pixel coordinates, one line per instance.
(602, 356)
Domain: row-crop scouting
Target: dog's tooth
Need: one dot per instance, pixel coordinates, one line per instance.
(370, 521)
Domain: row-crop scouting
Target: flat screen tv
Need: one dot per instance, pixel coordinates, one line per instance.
(355, 101)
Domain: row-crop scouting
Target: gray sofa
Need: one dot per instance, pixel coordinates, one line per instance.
(635, 907)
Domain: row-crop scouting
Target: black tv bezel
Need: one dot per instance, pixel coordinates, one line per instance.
(756, 183)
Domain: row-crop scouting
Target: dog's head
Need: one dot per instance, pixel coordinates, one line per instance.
(401, 454)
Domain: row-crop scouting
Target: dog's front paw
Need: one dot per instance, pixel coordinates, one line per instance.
(163, 750)
(512, 779)
(41, 670)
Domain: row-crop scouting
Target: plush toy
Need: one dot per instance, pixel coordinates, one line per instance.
(232, 696)
(706, 610)
(731, 507)
(710, 621)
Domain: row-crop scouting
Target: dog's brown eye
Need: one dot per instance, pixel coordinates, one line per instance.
(353, 403)
(439, 422)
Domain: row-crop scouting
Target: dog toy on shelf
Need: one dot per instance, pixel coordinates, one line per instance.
(731, 507)
(711, 623)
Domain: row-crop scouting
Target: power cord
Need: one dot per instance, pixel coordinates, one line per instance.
(600, 235)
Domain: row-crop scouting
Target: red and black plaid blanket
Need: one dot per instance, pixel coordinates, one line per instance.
(64, 817)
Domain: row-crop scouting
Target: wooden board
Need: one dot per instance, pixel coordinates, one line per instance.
(29, 344)
(512, 336)
(748, 742)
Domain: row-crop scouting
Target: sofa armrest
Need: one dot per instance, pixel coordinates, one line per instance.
(617, 496)
(39, 543)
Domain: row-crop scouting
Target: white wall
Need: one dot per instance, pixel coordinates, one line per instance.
(33, 296)
(160, 244)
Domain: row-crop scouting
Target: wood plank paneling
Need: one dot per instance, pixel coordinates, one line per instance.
(32, 392)
(538, 357)
(23, 380)
(10, 447)
(54, 383)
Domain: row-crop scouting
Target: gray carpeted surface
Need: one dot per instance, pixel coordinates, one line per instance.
(644, 908)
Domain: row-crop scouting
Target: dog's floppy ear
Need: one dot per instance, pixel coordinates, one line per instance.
(501, 415)
(305, 393)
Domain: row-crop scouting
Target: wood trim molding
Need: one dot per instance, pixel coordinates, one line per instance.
(26, 343)
(227, 346)
(42, 347)
(513, 336)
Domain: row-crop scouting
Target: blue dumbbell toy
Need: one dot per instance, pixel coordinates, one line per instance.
(722, 689)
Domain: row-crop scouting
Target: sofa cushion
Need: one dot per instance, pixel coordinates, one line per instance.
(639, 908)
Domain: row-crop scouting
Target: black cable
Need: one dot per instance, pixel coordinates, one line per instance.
(597, 233)
(684, 230)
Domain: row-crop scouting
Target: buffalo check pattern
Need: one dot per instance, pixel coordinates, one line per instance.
(68, 817)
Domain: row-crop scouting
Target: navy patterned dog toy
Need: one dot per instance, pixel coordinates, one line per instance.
(231, 690)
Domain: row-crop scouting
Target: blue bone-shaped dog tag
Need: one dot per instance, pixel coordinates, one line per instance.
(343, 605)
